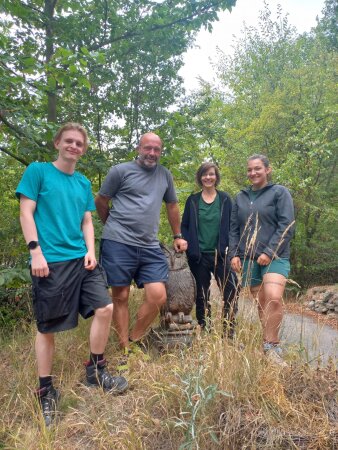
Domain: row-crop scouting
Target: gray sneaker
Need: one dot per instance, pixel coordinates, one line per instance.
(48, 399)
(274, 353)
(98, 375)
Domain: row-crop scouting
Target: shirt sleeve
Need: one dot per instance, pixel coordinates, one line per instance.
(170, 194)
(185, 225)
(234, 233)
(285, 220)
(111, 183)
(30, 183)
(90, 199)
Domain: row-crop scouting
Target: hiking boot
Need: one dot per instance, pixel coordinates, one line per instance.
(274, 353)
(98, 375)
(48, 398)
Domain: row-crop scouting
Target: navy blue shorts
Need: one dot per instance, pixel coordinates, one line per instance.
(123, 263)
(69, 290)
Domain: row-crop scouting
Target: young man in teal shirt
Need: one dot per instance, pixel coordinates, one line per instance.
(55, 215)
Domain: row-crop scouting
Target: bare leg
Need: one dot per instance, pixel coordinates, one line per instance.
(121, 313)
(100, 328)
(272, 307)
(155, 297)
(258, 295)
(44, 349)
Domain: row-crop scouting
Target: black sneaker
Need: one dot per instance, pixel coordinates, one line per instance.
(48, 399)
(98, 375)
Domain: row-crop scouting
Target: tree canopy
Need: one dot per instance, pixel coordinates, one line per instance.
(276, 96)
(114, 67)
(111, 65)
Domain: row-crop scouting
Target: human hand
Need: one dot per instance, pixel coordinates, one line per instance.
(236, 264)
(90, 261)
(180, 245)
(39, 264)
(263, 260)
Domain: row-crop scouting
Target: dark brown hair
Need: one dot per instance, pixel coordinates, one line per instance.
(204, 168)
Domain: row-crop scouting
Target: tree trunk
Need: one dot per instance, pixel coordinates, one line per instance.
(49, 9)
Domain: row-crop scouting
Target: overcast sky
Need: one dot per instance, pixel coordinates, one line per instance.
(302, 14)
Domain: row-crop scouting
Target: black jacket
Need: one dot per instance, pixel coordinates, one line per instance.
(189, 225)
(264, 225)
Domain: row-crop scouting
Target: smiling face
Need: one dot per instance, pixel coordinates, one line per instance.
(149, 150)
(258, 173)
(71, 146)
(208, 178)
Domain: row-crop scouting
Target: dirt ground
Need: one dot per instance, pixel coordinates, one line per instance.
(323, 319)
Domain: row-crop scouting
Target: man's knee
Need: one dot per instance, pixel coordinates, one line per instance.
(120, 295)
(162, 300)
(104, 313)
(156, 295)
(45, 337)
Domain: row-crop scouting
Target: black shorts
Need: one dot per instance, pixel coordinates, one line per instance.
(68, 290)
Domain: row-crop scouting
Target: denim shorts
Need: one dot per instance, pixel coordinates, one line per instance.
(253, 273)
(124, 263)
(69, 290)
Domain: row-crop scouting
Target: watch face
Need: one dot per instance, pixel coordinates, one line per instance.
(33, 244)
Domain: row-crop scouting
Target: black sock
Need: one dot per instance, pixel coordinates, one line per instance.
(94, 358)
(46, 382)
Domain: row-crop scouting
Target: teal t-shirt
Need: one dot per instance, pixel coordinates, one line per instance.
(209, 215)
(61, 202)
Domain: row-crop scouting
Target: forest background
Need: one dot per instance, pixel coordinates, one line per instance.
(113, 66)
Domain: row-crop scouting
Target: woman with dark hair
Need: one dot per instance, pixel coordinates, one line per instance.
(261, 229)
(205, 225)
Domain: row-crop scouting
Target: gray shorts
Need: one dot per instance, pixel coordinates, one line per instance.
(69, 290)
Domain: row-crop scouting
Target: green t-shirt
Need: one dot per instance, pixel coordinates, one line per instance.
(254, 194)
(61, 202)
(209, 215)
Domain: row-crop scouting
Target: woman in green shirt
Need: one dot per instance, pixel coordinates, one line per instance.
(205, 225)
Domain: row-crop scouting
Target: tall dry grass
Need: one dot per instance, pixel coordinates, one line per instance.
(214, 395)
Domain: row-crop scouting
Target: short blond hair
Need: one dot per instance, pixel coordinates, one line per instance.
(72, 126)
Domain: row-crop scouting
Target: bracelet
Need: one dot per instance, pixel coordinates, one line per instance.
(178, 236)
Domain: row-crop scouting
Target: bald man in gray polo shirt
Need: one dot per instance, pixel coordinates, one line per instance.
(130, 247)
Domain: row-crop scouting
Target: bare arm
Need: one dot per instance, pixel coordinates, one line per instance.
(173, 213)
(102, 207)
(39, 264)
(88, 233)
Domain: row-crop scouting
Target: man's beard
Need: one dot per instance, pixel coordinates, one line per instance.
(145, 161)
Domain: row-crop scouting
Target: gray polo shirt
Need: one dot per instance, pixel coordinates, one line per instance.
(137, 194)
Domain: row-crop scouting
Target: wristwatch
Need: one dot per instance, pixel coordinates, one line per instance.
(32, 245)
(178, 236)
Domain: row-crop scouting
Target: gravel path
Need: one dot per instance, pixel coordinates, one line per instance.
(316, 341)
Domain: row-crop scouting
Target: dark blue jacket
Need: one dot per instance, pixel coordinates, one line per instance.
(189, 225)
